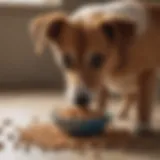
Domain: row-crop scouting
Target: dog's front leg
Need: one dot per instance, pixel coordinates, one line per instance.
(129, 101)
(145, 101)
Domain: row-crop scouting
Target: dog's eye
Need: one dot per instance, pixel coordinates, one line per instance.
(67, 61)
(97, 60)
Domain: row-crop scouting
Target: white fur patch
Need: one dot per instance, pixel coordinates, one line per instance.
(128, 10)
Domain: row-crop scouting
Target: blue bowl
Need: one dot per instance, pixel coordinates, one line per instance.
(79, 127)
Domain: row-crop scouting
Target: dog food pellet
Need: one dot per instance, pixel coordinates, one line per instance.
(7, 122)
(16, 145)
(1, 146)
(78, 113)
(27, 148)
(11, 137)
(1, 130)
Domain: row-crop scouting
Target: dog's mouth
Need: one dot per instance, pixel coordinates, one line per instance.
(80, 97)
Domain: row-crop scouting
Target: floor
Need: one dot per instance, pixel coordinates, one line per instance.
(22, 107)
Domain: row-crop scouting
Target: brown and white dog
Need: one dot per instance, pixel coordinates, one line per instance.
(105, 47)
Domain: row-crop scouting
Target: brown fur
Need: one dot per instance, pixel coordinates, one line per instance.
(125, 55)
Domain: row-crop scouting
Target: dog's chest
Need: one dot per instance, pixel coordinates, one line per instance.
(122, 85)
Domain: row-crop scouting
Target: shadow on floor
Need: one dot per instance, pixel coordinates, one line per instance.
(148, 145)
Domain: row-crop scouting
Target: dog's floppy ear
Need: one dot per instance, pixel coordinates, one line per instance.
(46, 27)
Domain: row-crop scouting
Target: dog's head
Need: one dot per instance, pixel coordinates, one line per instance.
(88, 50)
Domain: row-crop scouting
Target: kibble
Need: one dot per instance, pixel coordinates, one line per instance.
(1, 130)
(7, 122)
(1, 146)
(27, 148)
(48, 136)
(11, 136)
(17, 145)
(78, 113)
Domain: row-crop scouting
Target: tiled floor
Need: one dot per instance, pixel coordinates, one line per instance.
(22, 106)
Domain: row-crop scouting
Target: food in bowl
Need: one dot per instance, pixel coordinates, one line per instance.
(78, 113)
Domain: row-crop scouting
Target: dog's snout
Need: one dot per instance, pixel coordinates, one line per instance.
(82, 99)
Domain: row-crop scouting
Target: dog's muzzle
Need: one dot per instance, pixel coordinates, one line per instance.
(80, 95)
(82, 99)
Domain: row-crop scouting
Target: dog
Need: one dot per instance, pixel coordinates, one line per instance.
(112, 46)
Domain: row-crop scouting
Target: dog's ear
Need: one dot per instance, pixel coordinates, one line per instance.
(46, 27)
(118, 30)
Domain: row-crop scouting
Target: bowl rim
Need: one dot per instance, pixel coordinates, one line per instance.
(106, 117)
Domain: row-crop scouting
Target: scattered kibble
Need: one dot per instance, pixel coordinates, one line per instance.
(16, 145)
(11, 136)
(1, 130)
(48, 136)
(78, 113)
(1, 146)
(27, 148)
(7, 122)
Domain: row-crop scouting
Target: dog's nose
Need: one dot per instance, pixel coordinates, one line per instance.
(82, 99)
